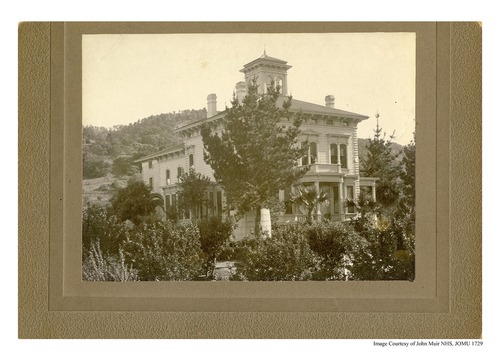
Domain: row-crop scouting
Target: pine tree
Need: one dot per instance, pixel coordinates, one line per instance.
(257, 152)
(408, 171)
(380, 163)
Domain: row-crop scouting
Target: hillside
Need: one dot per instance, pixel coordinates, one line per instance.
(109, 153)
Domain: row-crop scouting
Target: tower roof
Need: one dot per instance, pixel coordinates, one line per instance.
(263, 60)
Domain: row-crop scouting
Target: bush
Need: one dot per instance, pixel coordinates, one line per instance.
(134, 202)
(163, 251)
(214, 236)
(387, 255)
(285, 255)
(103, 230)
(100, 267)
(336, 244)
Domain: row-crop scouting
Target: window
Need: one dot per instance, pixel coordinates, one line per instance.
(350, 196)
(288, 201)
(151, 182)
(151, 164)
(191, 160)
(179, 173)
(167, 177)
(211, 201)
(167, 201)
(305, 158)
(336, 202)
(334, 159)
(311, 157)
(313, 153)
(343, 156)
(174, 201)
(279, 84)
(219, 203)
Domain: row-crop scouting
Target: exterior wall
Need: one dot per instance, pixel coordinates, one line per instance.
(171, 164)
(153, 173)
(195, 146)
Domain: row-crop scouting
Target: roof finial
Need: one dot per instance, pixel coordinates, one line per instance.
(264, 55)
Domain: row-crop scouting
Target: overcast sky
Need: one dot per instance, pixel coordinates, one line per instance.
(130, 77)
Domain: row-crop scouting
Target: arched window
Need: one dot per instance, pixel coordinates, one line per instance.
(191, 160)
(313, 152)
(311, 157)
(267, 85)
(279, 84)
(343, 156)
(179, 173)
(334, 154)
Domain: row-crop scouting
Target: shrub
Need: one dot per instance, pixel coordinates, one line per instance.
(388, 254)
(164, 251)
(94, 224)
(214, 236)
(103, 230)
(100, 267)
(285, 255)
(134, 202)
(335, 244)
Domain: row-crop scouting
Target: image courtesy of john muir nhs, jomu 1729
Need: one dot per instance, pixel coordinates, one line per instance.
(257, 185)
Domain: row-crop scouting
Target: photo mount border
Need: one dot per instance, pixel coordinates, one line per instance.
(61, 299)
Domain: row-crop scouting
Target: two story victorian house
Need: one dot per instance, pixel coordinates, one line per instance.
(332, 154)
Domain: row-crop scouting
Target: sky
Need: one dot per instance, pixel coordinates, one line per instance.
(130, 77)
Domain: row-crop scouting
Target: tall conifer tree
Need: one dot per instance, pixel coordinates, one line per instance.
(257, 152)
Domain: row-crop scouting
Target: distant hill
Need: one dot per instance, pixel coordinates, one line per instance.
(109, 153)
(143, 137)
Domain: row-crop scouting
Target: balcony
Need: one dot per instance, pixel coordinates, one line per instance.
(325, 168)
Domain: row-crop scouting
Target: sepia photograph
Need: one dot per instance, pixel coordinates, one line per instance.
(249, 157)
(250, 180)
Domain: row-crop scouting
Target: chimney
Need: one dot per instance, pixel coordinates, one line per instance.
(241, 91)
(330, 101)
(211, 105)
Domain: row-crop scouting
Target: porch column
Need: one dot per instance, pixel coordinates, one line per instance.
(318, 206)
(341, 201)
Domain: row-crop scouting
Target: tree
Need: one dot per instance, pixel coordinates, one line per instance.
(310, 198)
(257, 152)
(94, 166)
(134, 202)
(192, 191)
(124, 166)
(364, 204)
(214, 236)
(380, 163)
(405, 214)
(408, 171)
